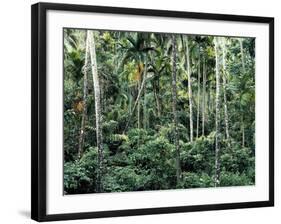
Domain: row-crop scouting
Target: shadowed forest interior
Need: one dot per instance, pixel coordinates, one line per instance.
(155, 111)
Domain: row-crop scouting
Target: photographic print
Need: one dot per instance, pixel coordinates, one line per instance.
(157, 111)
(143, 111)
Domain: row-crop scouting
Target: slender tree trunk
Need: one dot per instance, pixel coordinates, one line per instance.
(136, 102)
(217, 120)
(244, 71)
(139, 106)
(96, 84)
(138, 113)
(226, 120)
(174, 95)
(204, 98)
(188, 65)
(84, 113)
(210, 101)
(156, 97)
(144, 109)
(198, 96)
(242, 54)
(145, 123)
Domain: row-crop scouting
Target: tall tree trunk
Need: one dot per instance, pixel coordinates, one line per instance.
(156, 97)
(145, 123)
(198, 96)
(174, 95)
(242, 54)
(188, 65)
(96, 85)
(204, 97)
(139, 106)
(138, 113)
(144, 109)
(226, 120)
(140, 89)
(244, 71)
(217, 119)
(84, 113)
(211, 100)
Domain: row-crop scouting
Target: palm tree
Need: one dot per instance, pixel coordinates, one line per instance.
(138, 50)
(94, 68)
(84, 113)
(226, 119)
(174, 100)
(217, 122)
(188, 70)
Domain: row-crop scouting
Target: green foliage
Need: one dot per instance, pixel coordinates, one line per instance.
(235, 179)
(75, 177)
(140, 136)
(198, 156)
(149, 166)
(237, 160)
(195, 180)
(81, 174)
(70, 135)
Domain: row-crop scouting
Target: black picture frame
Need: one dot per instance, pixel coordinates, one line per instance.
(39, 107)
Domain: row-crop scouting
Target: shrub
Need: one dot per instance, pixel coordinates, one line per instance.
(193, 180)
(235, 179)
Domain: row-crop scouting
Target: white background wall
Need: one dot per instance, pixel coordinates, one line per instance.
(15, 110)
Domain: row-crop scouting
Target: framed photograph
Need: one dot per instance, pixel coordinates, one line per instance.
(140, 111)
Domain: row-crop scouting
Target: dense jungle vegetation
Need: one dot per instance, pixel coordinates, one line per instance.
(153, 111)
